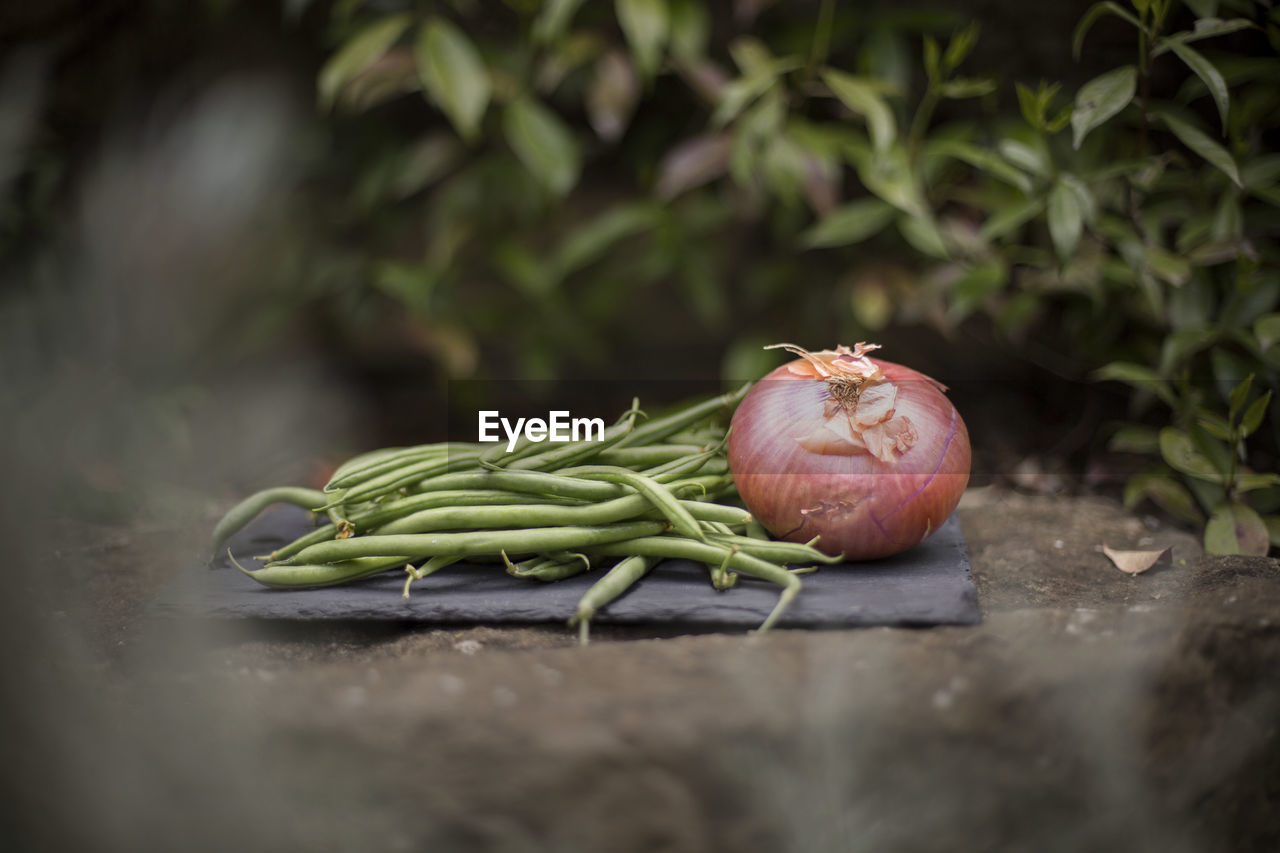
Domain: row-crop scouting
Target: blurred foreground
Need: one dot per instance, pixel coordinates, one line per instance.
(1091, 710)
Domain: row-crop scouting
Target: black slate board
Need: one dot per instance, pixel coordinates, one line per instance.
(927, 585)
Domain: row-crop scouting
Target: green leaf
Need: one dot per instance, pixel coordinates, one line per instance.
(1034, 107)
(646, 24)
(1182, 344)
(750, 54)
(1273, 529)
(1030, 105)
(1096, 11)
(1253, 482)
(1205, 28)
(967, 87)
(1165, 492)
(1065, 220)
(524, 270)
(1235, 528)
(1088, 206)
(961, 45)
(1009, 218)
(983, 160)
(1135, 439)
(361, 51)
(1198, 141)
(1030, 159)
(453, 75)
(409, 283)
(975, 285)
(554, 19)
(1267, 330)
(1212, 78)
(863, 97)
(738, 94)
(1140, 377)
(1181, 455)
(1167, 266)
(932, 59)
(1215, 428)
(889, 175)
(593, 239)
(921, 232)
(1239, 394)
(851, 223)
(1254, 414)
(542, 143)
(1100, 99)
(690, 29)
(784, 168)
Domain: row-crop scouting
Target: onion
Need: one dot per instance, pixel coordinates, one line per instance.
(868, 456)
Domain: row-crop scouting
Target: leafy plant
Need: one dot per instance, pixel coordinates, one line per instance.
(1128, 227)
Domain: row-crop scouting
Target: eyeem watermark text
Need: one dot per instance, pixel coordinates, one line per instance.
(557, 427)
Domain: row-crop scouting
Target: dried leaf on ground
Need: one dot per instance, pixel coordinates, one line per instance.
(1137, 562)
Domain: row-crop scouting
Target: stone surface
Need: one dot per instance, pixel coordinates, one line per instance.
(1089, 710)
(927, 585)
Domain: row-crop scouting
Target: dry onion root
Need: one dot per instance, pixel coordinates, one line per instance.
(867, 455)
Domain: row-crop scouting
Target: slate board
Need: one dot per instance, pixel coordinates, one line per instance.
(927, 585)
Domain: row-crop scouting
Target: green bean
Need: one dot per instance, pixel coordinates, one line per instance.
(559, 457)
(717, 513)
(527, 482)
(349, 479)
(625, 573)
(520, 541)
(679, 548)
(499, 456)
(701, 436)
(775, 551)
(404, 476)
(375, 457)
(309, 575)
(245, 511)
(710, 462)
(392, 510)
(475, 517)
(549, 568)
(660, 497)
(648, 456)
(678, 468)
(663, 427)
(715, 527)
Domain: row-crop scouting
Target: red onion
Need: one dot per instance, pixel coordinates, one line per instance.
(867, 455)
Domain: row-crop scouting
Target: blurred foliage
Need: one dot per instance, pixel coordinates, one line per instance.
(539, 187)
(1132, 222)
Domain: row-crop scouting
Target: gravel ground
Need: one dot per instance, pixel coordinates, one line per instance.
(1090, 710)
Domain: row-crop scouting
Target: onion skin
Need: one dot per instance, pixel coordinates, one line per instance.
(861, 507)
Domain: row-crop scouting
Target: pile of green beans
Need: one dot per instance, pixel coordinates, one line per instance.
(647, 490)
